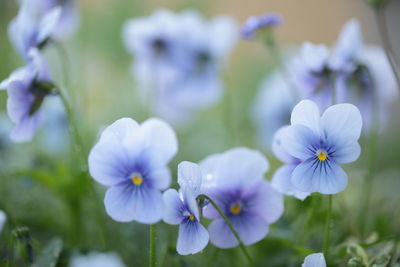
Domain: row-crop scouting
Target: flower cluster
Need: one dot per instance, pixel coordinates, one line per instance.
(37, 22)
(349, 72)
(178, 58)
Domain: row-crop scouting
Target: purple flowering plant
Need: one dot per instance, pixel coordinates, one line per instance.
(279, 192)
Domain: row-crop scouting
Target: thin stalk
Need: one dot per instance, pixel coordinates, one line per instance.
(228, 222)
(327, 230)
(152, 249)
(384, 33)
(77, 140)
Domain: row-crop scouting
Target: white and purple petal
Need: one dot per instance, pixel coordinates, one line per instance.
(126, 202)
(314, 260)
(325, 177)
(192, 237)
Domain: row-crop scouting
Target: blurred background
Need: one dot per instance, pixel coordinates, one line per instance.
(40, 189)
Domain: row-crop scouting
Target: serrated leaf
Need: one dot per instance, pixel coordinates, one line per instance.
(50, 254)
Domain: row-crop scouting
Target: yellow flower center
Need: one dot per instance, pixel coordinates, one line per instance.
(136, 179)
(191, 217)
(235, 209)
(322, 156)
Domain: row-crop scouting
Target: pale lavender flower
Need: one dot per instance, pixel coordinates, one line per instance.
(310, 73)
(69, 17)
(26, 94)
(351, 71)
(322, 144)
(234, 180)
(32, 27)
(181, 208)
(131, 159)
(254, 24)
(314, 260)
(365, 77)
(178, 58)
(281, 180)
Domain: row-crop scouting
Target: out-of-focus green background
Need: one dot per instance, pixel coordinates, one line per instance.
(40, 190)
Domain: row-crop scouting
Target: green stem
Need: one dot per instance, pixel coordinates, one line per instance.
(327, 230)
(383, 31)
(228, 222)
(76, 138)
(152, 250)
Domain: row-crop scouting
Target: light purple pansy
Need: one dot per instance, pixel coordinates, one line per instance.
(253, 24)
(235, 181)
(322, 143)
(281, 180)
(206, 45)
(69, 17)
(25, 96)
(131, 159)
(364, 77)
(181, 208)
(178, 57)
(314, 260)
(32, 27)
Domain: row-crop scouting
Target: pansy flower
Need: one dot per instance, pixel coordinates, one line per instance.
(181, 208)
(281, 180)
(27, 88)
(32, 27)
(263, 22)
(178, 58)
(131, 159)
(314, 260)
(322, 143)
(234, 180)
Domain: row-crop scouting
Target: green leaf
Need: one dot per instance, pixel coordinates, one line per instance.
(354, 262)
(50, 254)
(381, 261)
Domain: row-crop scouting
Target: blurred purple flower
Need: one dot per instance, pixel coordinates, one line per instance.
(32, 28)
(234, 180)
(132, 160)
(181, 208)
(355, 73)
(25, 96)
(322, 143)
(69, 18)
(178, 58)
(281, 180)
(254, 24)
(314, 260)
